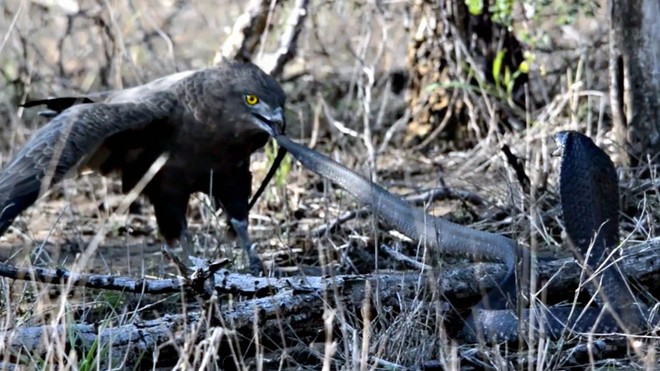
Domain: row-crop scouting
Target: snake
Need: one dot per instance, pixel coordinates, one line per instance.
(589, 199)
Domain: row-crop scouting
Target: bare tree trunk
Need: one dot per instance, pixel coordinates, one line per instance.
(451, 47)
(635, 77)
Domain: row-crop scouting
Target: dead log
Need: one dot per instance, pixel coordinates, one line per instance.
(641, 263)
(284, 309)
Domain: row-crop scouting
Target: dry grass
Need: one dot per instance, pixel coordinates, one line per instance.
(341, 104)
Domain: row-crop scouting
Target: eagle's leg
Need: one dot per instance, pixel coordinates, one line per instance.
(233, 193)
(170, 210)
(240, 226)
(187, 246)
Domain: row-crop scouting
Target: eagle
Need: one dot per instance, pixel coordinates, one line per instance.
(207, 121)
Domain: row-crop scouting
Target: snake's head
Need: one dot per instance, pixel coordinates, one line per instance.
(561, 139)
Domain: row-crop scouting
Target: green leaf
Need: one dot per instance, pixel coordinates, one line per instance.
(497, 66)
(475, 7)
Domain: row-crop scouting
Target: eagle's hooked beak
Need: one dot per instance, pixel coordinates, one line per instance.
(271, 121)
(274, 124)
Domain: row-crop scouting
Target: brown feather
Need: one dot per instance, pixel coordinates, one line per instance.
(198, 117)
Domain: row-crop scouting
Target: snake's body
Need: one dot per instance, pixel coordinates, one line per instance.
(590, 204)
(588, 178)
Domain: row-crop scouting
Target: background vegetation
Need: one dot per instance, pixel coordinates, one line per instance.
(465, 100)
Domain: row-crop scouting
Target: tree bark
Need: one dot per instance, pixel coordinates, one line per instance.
(635, 78)
(450, 47)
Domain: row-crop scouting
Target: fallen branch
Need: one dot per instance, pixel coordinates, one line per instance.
(95, 281)
(294, 312)
(640, 263)
(404, 259)
(287, 308)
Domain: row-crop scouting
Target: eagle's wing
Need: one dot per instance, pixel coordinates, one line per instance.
(57, 105)
(67, 140)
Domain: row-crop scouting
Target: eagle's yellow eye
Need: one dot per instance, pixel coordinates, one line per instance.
(251, 99)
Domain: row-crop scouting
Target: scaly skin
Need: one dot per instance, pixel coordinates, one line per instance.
(590, 204)
(437, 234)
